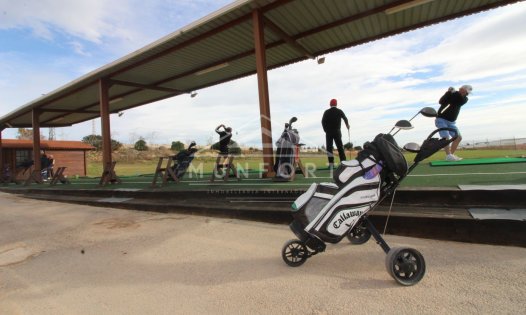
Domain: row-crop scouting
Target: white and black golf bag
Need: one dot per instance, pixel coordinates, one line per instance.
(326, 212)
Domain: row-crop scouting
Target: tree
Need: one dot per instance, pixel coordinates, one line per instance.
(177, 146)
(140, 145)
(96, 141)
(348, 146)
(115, 145)
(27, 134)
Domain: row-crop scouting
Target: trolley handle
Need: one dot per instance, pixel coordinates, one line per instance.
(443, 129)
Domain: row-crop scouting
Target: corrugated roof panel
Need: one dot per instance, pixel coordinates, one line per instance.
(219, 37)
(221, 46)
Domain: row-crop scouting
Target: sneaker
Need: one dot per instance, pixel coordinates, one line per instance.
(451, 158)
(457, 157)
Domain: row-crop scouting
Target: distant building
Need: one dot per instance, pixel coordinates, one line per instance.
(17, 154)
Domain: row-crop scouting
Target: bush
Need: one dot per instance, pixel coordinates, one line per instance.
(96, 141)
(140, 145)
(177, 146)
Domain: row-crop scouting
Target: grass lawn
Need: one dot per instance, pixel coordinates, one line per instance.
(311, 161)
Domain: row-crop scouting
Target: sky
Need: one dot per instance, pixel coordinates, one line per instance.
(45, 44)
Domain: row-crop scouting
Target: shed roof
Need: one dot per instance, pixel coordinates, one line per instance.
(46, 145)
(220, 47)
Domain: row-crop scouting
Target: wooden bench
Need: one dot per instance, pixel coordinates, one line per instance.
(226, 164)
(34, 176)
(109, 175)
(165, 173)
(59, 176)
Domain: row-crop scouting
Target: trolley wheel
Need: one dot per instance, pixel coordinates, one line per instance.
(360, 234)
(406, 265)
(294, 253)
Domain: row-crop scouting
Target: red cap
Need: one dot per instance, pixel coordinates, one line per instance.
(334, 102)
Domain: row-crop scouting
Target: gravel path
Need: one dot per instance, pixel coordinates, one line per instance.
(68, 259)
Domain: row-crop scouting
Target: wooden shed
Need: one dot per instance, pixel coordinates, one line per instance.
(17, 154)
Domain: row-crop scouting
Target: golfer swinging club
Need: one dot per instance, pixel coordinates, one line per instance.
(450, 104)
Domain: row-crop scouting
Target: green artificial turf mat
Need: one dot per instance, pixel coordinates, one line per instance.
(479, 161)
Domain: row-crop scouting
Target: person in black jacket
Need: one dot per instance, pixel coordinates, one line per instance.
(331, 123)
(450, 104)
(224, 138)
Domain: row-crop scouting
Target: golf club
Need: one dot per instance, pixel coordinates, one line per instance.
(406, 124)
(412, 147)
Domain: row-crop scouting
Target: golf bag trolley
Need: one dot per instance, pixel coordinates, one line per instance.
(183, 159)
(287, 153)
(329, 212)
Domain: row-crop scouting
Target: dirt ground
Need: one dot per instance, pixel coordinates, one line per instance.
(68, 259)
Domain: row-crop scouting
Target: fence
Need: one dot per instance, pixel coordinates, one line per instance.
(502, 144)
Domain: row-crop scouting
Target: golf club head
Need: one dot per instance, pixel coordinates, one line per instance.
(428, 112)
(403, 124)
(293, 119)
(412, 147)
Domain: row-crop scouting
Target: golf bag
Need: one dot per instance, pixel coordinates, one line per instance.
(329, 211)
(183, 159)
(286, 152)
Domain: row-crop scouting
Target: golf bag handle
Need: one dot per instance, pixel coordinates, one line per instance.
(443, 129)
(432, 145)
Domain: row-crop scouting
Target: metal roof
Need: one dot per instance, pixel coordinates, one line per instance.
(220, 47)
(46, 144)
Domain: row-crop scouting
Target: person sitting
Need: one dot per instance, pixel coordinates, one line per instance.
(44, 164)
(51, 165)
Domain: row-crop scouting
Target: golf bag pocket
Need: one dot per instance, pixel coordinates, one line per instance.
(350, 170)
(344, 209)
(309, 204)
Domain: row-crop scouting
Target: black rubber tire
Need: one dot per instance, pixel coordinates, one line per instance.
(294, 253)
(406, 265)
(360, 234)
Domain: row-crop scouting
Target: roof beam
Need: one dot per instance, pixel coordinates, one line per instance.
(69, 111)
(145, 86)
(293, 43)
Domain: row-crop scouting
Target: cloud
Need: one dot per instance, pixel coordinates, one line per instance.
(376, 83)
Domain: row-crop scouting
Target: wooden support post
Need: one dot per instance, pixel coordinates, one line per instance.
(264, 103)
(104, 86)
(35, 174)
(4, 177)
(109, 175)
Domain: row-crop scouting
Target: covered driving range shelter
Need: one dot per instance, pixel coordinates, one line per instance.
(244, 38)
